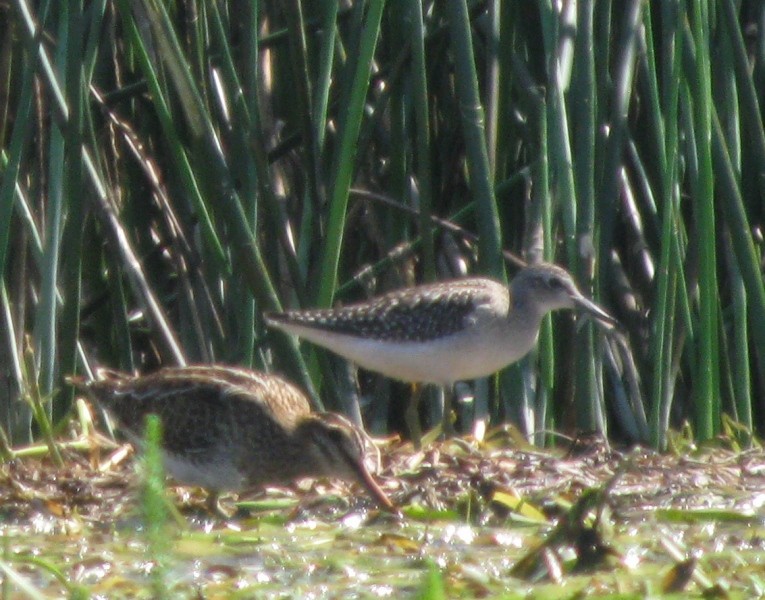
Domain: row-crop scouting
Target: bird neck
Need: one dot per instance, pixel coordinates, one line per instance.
(523, 308)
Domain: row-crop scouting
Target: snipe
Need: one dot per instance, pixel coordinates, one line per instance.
(230, 429)
(443, 332)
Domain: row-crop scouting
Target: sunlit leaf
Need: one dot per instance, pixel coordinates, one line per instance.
(518, 505)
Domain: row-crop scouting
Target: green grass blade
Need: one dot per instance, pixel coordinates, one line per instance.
(344, 163)
(706, 389)
(473, 127)
(423, 142)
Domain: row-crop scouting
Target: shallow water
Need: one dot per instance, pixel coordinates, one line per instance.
(476, 522)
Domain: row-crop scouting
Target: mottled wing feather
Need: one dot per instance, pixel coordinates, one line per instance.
(274, 395)
(414, 315)
(201, 408)
(189, 413)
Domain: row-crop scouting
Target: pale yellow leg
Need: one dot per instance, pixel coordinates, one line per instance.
(412, 416)
(213, 505)
(449, 417)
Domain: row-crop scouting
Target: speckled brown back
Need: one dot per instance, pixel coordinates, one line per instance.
(210, 413)
(228, 428)
(418, 314)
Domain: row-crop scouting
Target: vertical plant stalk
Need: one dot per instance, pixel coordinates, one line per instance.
(706, 388)
(19, 417)
(750, 107)
(71, 241)
(185, 173)
(345, 159)
(422, 124)
(156, 315)
(559, 141)
(46, 317)
(154, 506)
(298, 47)
(494, 14)
(396, 28)
(38, 402)
(740, 358)
(734, 372)
(324, 80)
(743, 246)
(665, 111)
(244, 245)
(22, 130)
(583, 110)
(624, 72)
(473, 128)
(540, 218)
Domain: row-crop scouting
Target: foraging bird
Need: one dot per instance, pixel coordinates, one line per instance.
(443, 332)
(230, 429)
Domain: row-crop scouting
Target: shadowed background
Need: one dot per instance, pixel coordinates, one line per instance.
(170, 171)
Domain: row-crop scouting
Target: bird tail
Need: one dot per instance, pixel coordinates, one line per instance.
(100, 387)
(101, 374)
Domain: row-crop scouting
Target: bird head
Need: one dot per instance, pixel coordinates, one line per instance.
(337, 448)
(546, 287)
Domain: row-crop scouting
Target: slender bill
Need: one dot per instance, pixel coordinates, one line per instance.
(366, 479)
(595, 311)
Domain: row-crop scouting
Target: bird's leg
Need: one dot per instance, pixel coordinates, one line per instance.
(412, 416)
(446, 396)
(213, 505)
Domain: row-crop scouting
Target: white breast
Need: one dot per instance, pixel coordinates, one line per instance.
(465, 355)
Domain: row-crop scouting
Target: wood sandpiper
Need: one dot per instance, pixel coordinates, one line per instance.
(230, 429)
(444, 332)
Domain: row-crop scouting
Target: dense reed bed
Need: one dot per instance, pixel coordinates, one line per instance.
(172, 170)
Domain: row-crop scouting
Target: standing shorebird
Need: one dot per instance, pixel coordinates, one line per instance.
(444, 332)
(231, 429)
